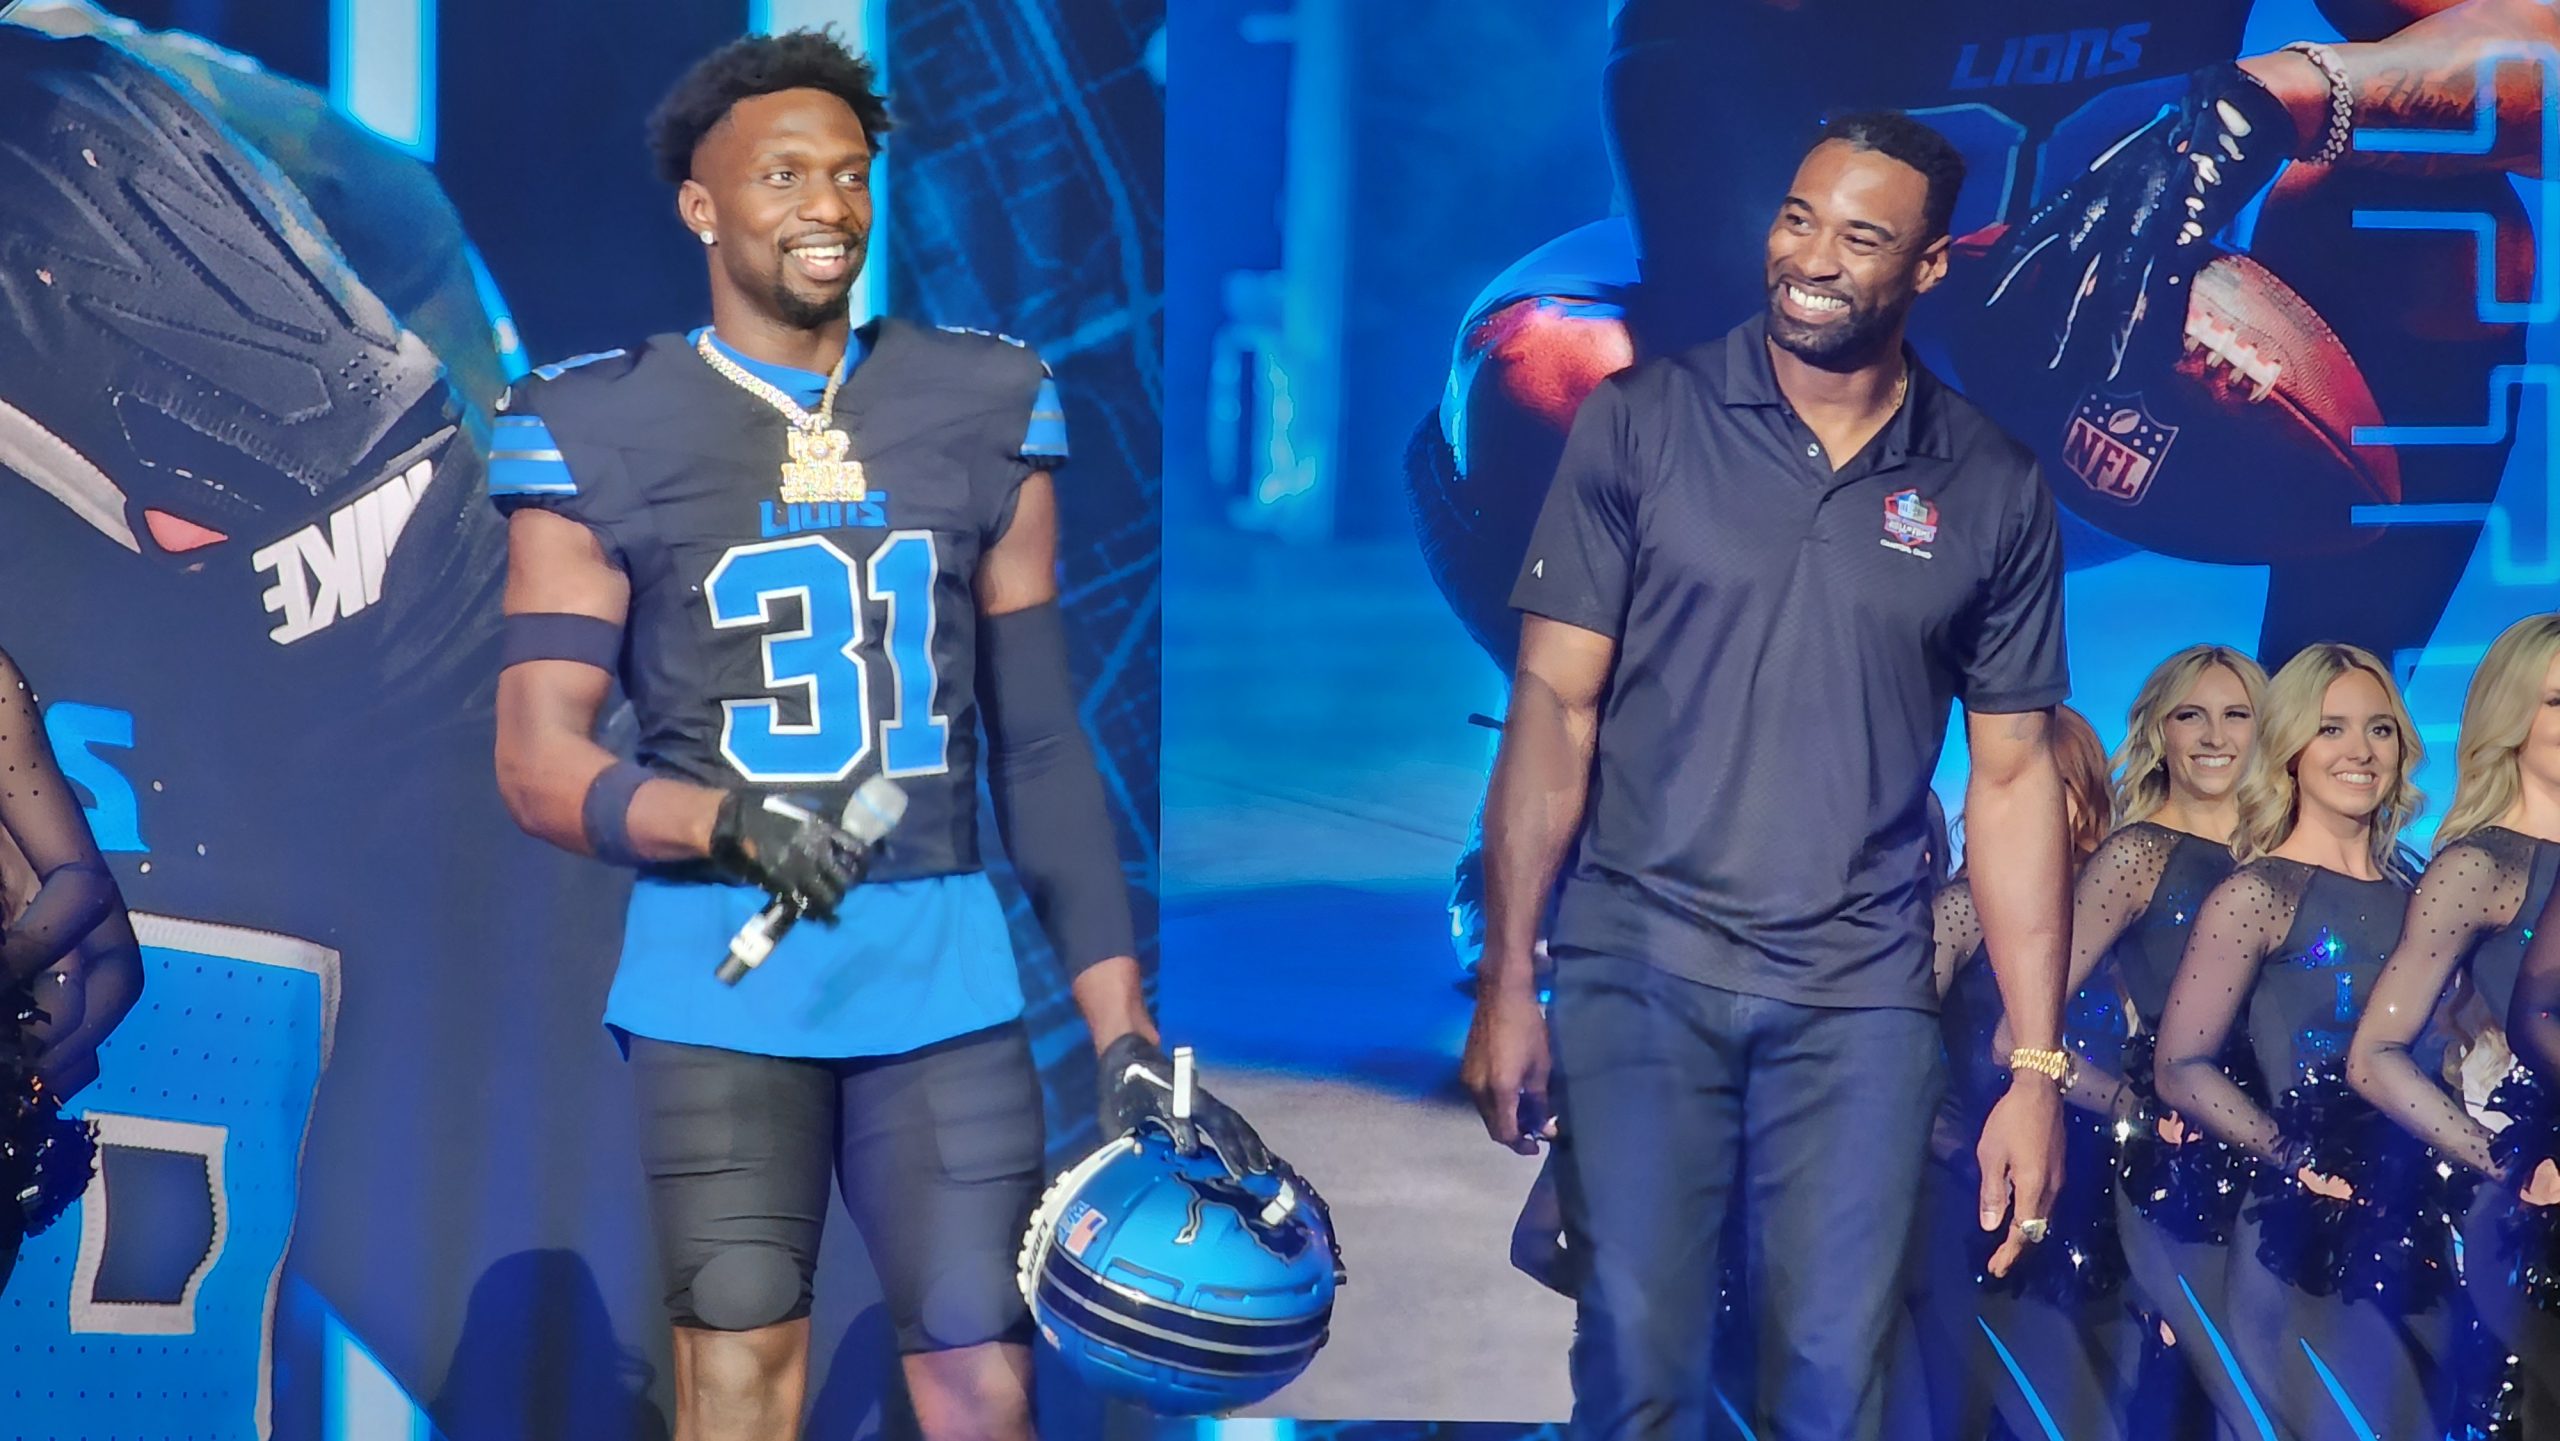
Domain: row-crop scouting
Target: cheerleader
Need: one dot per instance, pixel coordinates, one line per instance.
(2530, 1147)
(2178, 773)
(2468, 927)
(2048, 1343)
(2335, 1287)
(68, 971)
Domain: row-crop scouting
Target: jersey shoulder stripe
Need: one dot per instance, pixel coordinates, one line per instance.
(1046, 436)
(524, 459)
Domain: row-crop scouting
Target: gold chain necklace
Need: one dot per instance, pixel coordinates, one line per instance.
(821, 467)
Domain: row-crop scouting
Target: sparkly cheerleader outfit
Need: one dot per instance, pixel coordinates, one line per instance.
(2052, 1343)
(2511, 1250)
(2174, 1204)
(2339, 1311)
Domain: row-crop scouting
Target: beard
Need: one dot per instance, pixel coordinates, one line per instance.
(1847, 343)
(802, 312)
(788, 299)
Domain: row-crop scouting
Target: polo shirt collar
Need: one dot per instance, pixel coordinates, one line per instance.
(1918, 428)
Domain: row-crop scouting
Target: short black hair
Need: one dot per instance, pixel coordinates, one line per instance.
(1894, 134)
(761, 65)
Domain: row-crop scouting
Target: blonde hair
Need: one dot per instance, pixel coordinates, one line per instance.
(2269, 793)
(2497, 713)
(2142, 764)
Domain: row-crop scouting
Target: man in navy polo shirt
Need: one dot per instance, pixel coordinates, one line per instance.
(1765, 568)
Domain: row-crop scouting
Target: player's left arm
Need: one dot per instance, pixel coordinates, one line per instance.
(1041, 770)
(1057, 830)
(2425, 75)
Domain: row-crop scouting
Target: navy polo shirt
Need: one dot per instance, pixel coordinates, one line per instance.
(1789, 637)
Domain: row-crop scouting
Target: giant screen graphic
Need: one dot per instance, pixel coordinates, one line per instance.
(363, 1142)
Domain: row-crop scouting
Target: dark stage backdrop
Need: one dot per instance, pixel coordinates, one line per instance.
(370, 1166)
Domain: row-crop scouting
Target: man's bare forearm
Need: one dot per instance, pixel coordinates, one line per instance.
(1112, 997)
(2427, 77)
(544, 779)
(1541, 780)
(2017, 860)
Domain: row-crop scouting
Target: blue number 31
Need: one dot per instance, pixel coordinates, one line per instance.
(822, 658)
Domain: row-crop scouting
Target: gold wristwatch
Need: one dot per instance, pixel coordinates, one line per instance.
(2056, 1066)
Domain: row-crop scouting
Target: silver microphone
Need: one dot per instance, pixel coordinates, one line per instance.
(870, 813)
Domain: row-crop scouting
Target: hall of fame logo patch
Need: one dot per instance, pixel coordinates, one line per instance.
(1910, 523)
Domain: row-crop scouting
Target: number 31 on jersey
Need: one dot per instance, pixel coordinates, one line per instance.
(824, 658)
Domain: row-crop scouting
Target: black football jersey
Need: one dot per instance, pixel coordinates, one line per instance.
(798, 647)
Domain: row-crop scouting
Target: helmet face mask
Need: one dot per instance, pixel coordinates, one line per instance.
(1168, 1282)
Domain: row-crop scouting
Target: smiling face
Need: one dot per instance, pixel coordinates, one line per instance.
(783, 183)
(1847, 257)
(2353, 761)
(2207, 735)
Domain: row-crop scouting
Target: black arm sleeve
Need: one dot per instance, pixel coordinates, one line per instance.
(1048, 792)
(41, 816)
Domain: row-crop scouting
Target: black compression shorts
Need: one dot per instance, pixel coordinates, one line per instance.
(938, 1151)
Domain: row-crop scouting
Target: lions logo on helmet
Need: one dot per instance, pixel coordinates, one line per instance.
(1167, 1281)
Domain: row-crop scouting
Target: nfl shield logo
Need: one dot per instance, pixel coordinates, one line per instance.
(2115, 445)
(1910, 522)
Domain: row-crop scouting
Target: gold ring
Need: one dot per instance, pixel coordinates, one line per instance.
(2033, 1232)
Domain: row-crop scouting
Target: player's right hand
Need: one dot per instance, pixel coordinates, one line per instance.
(1507, 1064)
(785, 846)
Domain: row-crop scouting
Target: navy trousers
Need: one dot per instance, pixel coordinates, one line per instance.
(1679, 1102)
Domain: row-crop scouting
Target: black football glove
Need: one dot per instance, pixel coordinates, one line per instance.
(2126, 238)
(1137, 1085)
(783, 845)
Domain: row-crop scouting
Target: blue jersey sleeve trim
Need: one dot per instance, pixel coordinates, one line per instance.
(525, 460)
(559, 368)
(1046, 435)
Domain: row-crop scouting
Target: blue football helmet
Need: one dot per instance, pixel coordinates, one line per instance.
(1168, 1282)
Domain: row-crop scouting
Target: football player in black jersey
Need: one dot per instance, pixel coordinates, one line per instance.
(815, 554)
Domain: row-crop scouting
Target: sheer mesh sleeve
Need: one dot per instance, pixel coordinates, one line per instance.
(2245, 918)
(42, 817)
(101, 979)
(2533, 1022)
(1959, 933)
(2115, 886)
(2470, 889)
